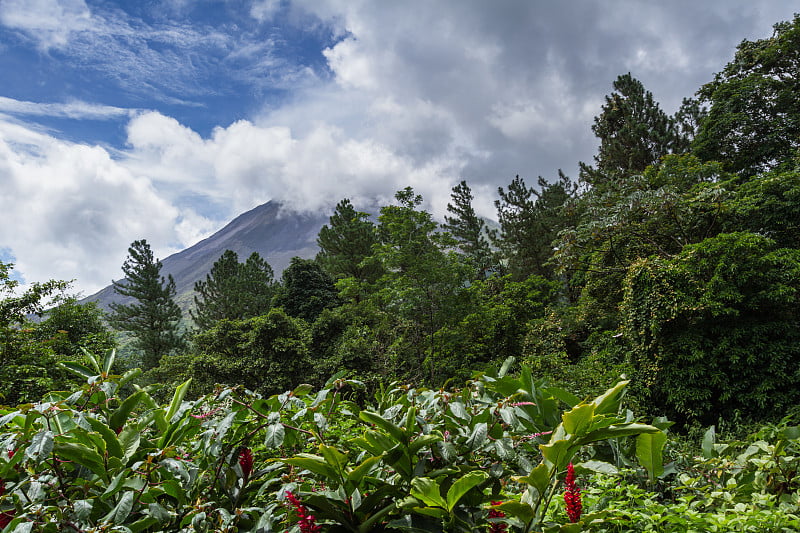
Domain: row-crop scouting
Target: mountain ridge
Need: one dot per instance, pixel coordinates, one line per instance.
(275, 233)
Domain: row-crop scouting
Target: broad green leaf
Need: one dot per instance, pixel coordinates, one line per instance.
(302, 390)
(427, 491)
(82, 455)
(358, 473)
(129, 439)
(274, 436)
(40, 447)
(649, 448)
(539, 478)
(314, 463)
(516, 509)
(120, 416)
(177, 399)
(92, 359)
(422, 441)
(565, 396)
(612, 432)
(578, 419)
(507, 364)
(600, 466)
(457, 408)
(108, 361)
(120, 512)
(336, 459)
(110, 437)
(557, 453)
(608, 402)
(709, 439)
(77, 368)
(477, 437)
(390, 428)
(463, 485)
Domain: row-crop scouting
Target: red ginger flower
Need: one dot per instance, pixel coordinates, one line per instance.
(497, 527)
(246, 462)
(307, 522)
(572, 496)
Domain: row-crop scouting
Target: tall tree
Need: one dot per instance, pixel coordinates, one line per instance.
(753, 123)
(305, 290)
(530, 220)
(634, 133)
(233, 290)
(153, 318)
(467, 228)
(346, 245)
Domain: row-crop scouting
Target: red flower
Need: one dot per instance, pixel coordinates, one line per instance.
(306, 521)
(572, 496)
(246, 462)
(497, 527)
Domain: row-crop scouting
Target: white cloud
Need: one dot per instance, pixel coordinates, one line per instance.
(49, 22)
(74, 110)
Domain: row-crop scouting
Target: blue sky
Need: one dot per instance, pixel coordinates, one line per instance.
(164, 119)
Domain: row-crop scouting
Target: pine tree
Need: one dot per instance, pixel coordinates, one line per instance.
(467, 228)
(634, 133)
(346, 245)
(154, 316)
(233, 290)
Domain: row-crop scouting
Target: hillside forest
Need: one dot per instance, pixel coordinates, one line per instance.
(668, 269)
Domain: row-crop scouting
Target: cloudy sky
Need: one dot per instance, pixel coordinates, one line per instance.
(164, 119)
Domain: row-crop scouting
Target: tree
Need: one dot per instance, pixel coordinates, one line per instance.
(753, 123)
(634, 133)
(468, 229)
(154, 316)
(713, 331)
(346, 245)
(305, 290)
(530, 221)
(233, 290)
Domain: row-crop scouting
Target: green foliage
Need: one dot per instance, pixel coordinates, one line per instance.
(153, 316)
(266, 354)
(468, 229)
(713, 331)
(753, 123)
(233, 290)
(346, 245)
(634, 133)
(305, 290)
(530, 220)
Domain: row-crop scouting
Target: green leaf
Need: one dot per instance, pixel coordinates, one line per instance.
(108, 361)
(92, 359)
(302, 390)
(390, 428)
(612, 432)
(275, 435)
(463, 485)
(457, 408)
(565, 396)
(649, 448)
(314, 463)
(129, 440)
(177, 399)
(507, 364)
(120, 512)
(40, 447)
(358, 473)
(120, 416)
(77, 368)
(82, 455)
(578, 419)
(709, 439)
(422, 441)
(608, 402)
(477, 437)
(336, 459)
(601, 467)
(557, 453)
(110, 437)
(427, 491)
(516, 509)
(539, 477)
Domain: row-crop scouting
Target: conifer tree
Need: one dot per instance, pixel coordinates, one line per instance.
(153, 318)
(233, 290)
(634, 133)
(346, 245)
(467, 228)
